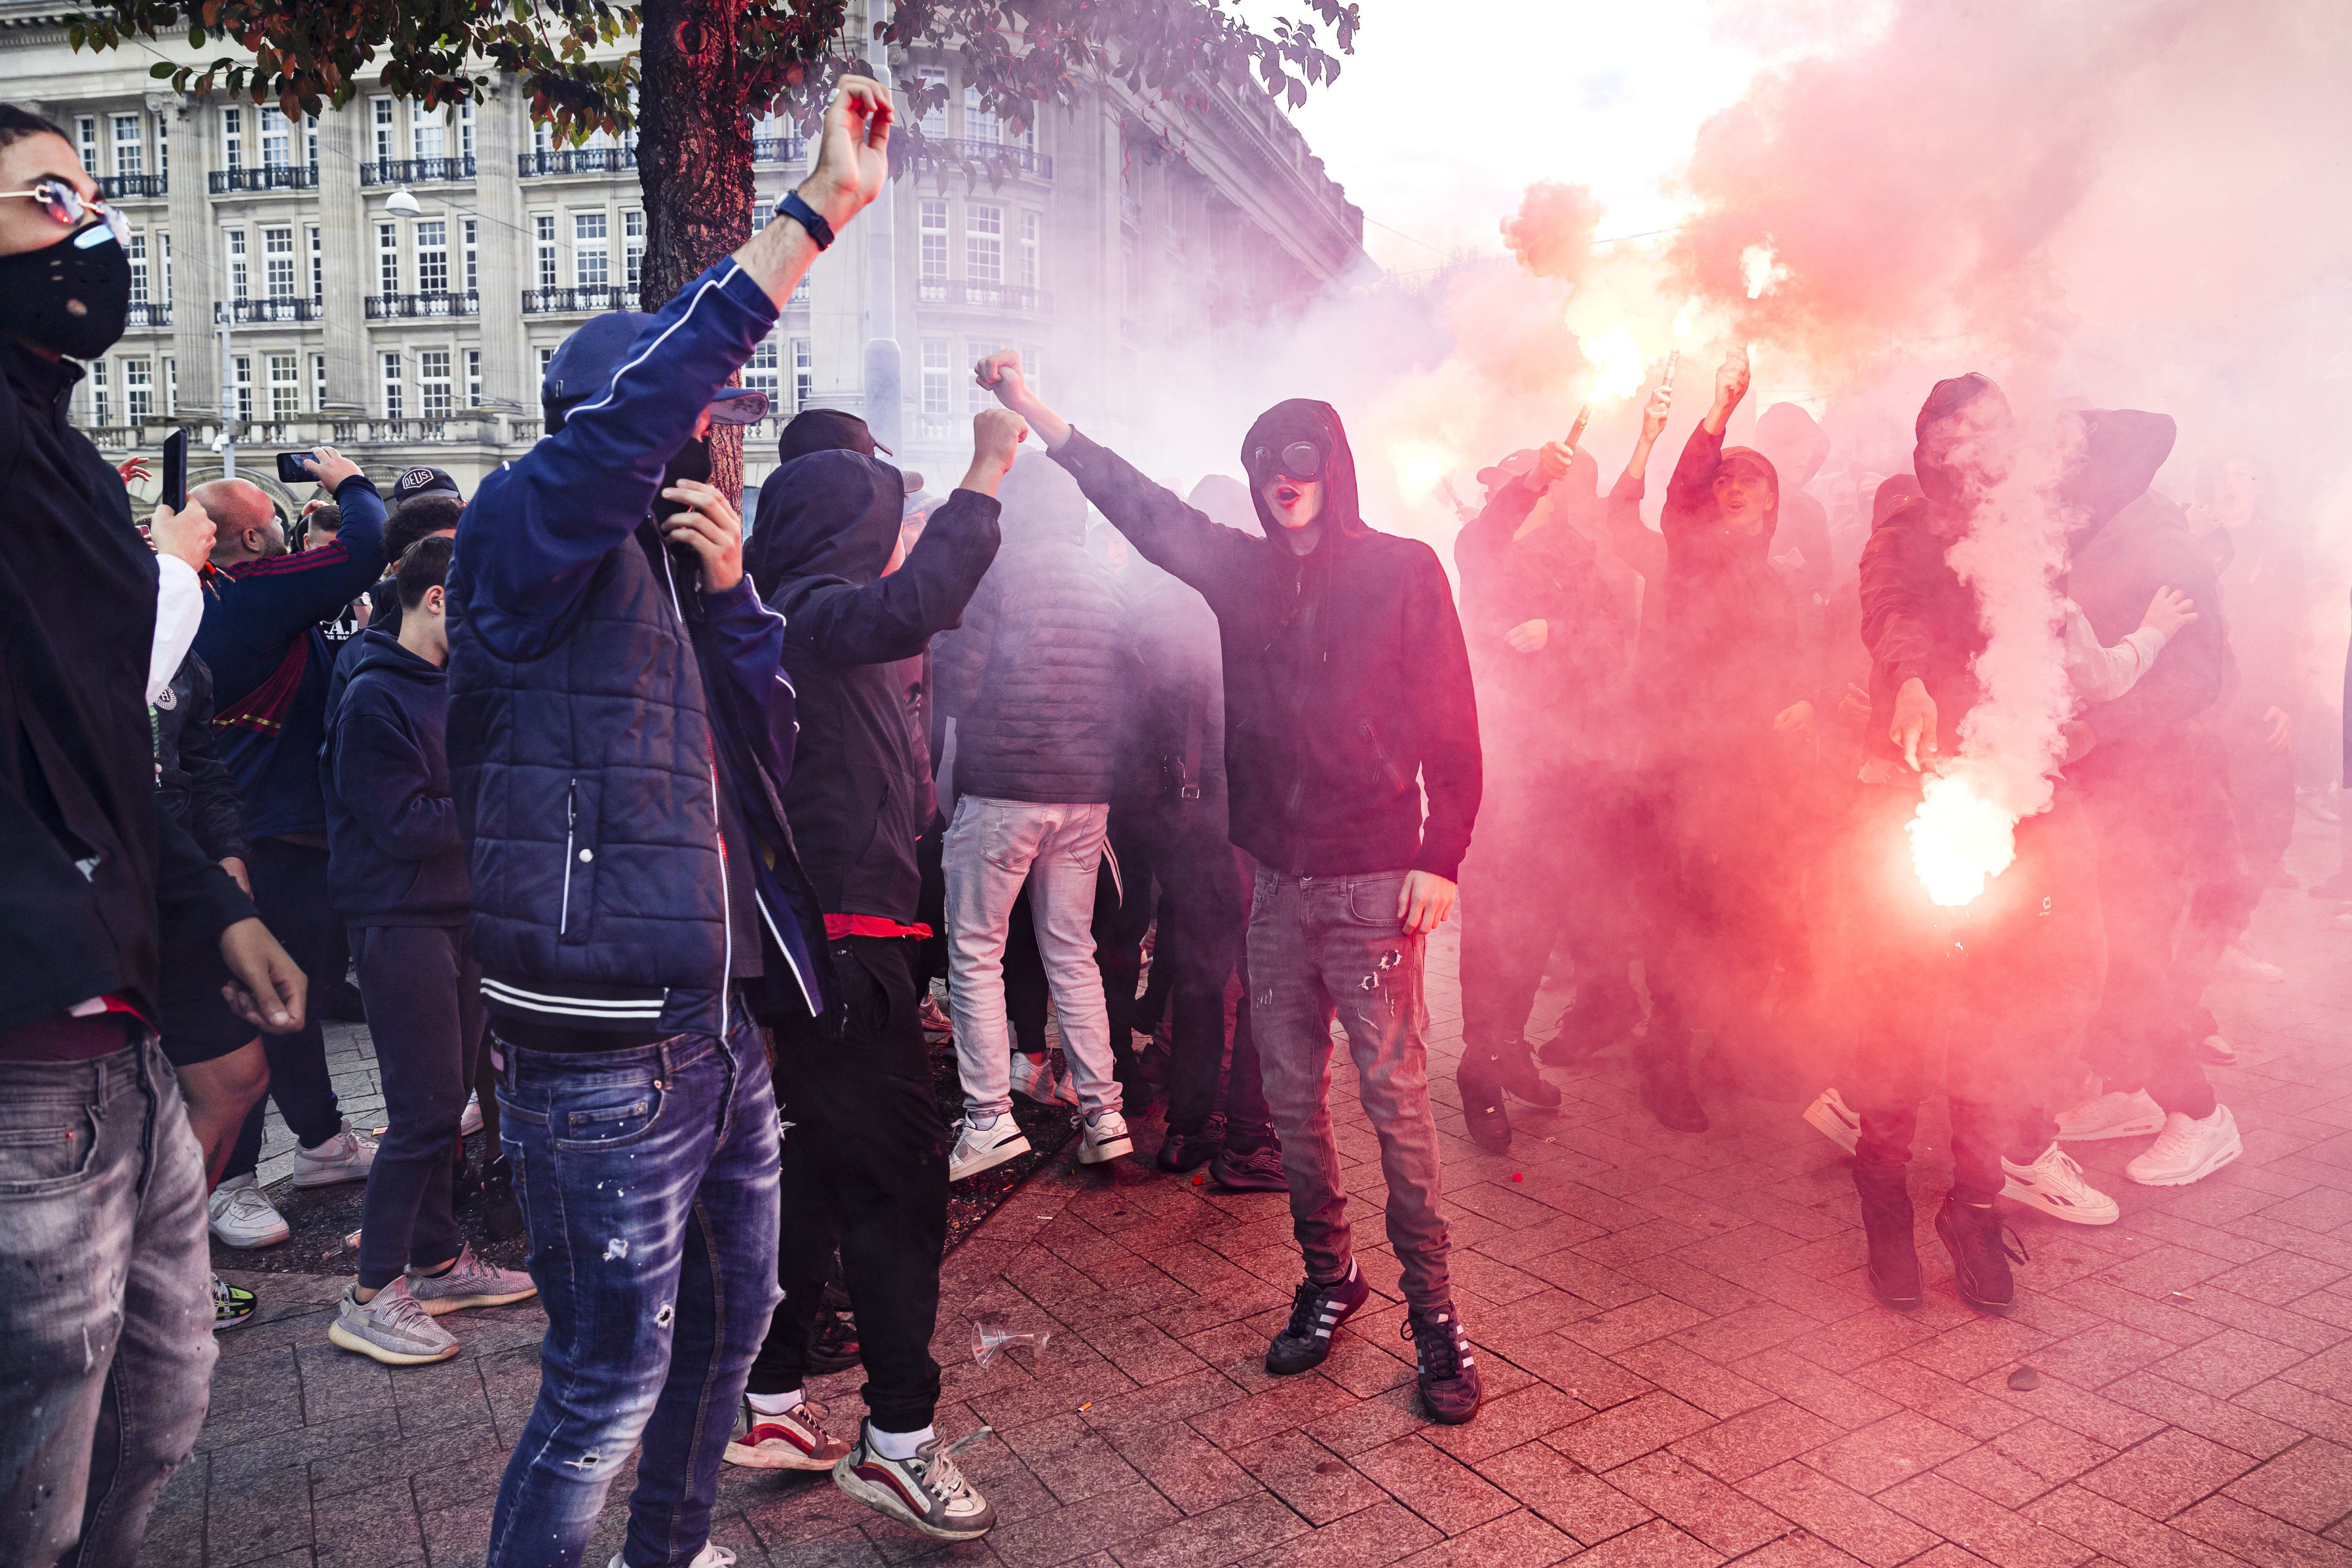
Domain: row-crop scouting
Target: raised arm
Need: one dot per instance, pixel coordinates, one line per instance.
(1638, 545)
(1690, 494)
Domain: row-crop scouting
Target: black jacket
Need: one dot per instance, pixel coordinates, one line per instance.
(1035, 677)
(1176, 723)
(96, 876)
(393, 855)
(1347, 688)
(191, 780)
(855, 802)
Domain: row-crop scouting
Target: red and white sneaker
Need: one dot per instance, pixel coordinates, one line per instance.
(795, 1440)
(927, 1492)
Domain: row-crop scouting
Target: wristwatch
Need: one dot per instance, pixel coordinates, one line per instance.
(808, 217)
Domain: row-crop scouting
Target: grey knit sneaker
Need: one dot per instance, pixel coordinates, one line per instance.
(393, 1328)
(469, 1282)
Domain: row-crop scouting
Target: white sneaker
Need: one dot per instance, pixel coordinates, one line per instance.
(471, 1122)
(979, 1149)
(1043, 1083)
(2054, 1184)
(2240, 965)
(2218, 1051)
(712, 1555)
(2188, 1150)
(927, 1492)
(243, 1217)
(1834, 1120)
(1102, 1135)
(345, 1157)
(2111, 1115)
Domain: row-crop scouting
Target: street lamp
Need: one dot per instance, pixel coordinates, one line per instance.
(400, 204)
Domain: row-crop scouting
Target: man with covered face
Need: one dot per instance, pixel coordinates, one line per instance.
(1347, 696)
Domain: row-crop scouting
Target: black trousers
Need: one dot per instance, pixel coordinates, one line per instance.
(2159, 835)
(1204, 919)
(424, 1012)
(866, 1169)
(291, 894)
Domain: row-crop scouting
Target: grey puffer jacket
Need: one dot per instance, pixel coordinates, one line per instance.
(1035, 676)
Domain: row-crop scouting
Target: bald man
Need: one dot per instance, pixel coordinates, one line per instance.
(270, 667)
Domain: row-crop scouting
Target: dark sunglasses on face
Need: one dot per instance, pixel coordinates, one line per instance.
(68, 206)
(1300, 460)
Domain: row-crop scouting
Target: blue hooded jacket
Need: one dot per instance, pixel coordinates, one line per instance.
(392, 852)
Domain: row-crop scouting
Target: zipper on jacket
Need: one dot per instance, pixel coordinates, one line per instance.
(1381, 753)
(570, 798)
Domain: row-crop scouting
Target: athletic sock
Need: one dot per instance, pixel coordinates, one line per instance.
(775, 1404)
(899, 1445)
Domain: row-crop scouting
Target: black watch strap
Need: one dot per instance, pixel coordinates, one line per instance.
(808, 217)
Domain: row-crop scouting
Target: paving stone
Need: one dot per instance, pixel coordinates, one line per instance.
(2309, 1485)
(2167, 1473)
(2259, 1537)
(1622, 1432)
(1435, 1486)
(1754, 1440)
(1701, 1506)
(1979, 1525)
(1845, 1519)
(1906, 1444)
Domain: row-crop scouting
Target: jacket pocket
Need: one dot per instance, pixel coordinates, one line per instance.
(576, 903)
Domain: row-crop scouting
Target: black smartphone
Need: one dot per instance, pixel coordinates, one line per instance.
(290, 469)
(175, 469)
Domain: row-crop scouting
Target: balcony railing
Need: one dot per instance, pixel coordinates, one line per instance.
(272, 177)
(595, 296)
(778, 149)
(150, 313)
(949, 151)
(129, 187)
(280, 309)
(984, 296)
(409, 306)
(577, 161)
(415, 171)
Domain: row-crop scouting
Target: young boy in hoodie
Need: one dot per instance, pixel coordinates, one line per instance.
(1348, 695)
(398, 872)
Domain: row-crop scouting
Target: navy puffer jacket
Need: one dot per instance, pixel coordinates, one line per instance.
(1035, 676)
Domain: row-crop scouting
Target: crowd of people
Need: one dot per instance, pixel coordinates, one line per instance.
(653, 838)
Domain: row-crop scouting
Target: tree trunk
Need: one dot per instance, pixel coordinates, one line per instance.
(694, 160)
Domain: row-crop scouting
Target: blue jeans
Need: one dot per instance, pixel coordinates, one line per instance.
(106, 1345)
(648, 1178)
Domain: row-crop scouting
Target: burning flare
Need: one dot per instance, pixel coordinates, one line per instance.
(1762, 267)
(1960, 839)
(1616, 361)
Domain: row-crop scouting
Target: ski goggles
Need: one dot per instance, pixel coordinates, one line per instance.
(1300, 460)
(69, 206)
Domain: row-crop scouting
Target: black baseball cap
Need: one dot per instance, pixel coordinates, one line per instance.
(423, 481)
(827, 430)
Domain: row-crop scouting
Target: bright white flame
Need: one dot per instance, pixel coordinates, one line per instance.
(1421, 466)
(1761, 265)
(1616, 361)
(1683, 317)
(1960, 840)
(1424, 471)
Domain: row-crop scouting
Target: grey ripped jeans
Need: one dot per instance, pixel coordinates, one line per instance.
(1318, 940)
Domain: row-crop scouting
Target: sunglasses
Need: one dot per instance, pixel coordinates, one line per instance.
(1300, 460)
(65, 205)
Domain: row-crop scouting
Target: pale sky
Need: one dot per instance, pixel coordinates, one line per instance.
(1448, 111)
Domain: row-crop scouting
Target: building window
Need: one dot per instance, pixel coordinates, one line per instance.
(935, 118)
(237, 264)
(285, 385)
(542, 137)
(310, 140)
(425, 134)
(1033, 366)
(163, 142)
(433, 256)
(633, 236)
(318, 267)
(233, 137)
(138, 391)
(979, 124)
(276, 137)
(392, 400)
(465, 129)
(544, 356)
(976, 397)
(101, 405)
(130, 146)
(473, 378)
(934, 242)
(433, 383)
(590, 263)
(387, 259)
(937, 378)
(473, 256)
(544, 227)
(382, 128)
(244, 375)
(86, 142)
(277, 261)
(139, 268)
(803, 373)
(1032, 261)
(759, 374)
(163, 242)
(984, 243)
(318, 382)
(171, 386)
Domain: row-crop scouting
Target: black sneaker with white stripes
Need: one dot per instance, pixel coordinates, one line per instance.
(1315, 1311)
(1449, 1372)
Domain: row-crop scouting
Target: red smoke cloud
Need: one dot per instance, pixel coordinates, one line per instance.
(1552, 233)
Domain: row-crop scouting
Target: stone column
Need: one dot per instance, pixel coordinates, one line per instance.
(342, 242)
(197, 279)
(502, 131)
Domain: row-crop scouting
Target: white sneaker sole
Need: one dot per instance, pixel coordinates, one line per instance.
(774, 1456)
(2144, 1127)
(1110, 1149)
(2204, 1168)
(367, 1347)
(446, 1304)
(1827, 1124)
(2034, 1198)
(333, 1176)
(987, 1159)
(884, 1500)
(253, 1243)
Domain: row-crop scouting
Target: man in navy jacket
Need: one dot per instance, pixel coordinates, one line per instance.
(620, 734)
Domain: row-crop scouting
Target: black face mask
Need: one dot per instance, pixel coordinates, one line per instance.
(86, 267)
(692, 461)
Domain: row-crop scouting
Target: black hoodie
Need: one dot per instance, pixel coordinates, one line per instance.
(393, 855)
(828, 522)
(1347, 689)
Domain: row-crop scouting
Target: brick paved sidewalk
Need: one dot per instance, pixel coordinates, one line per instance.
(1682, 1365)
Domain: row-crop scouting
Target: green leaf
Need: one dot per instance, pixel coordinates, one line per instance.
(162, 71)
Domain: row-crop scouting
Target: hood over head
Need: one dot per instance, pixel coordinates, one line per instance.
(1041, 503)
(1220, 497)
(828, 514)
(1962, 433)
(381, 649)
(2121, 450)
(1749, 459)
(1303, 419)
(1794, 441)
